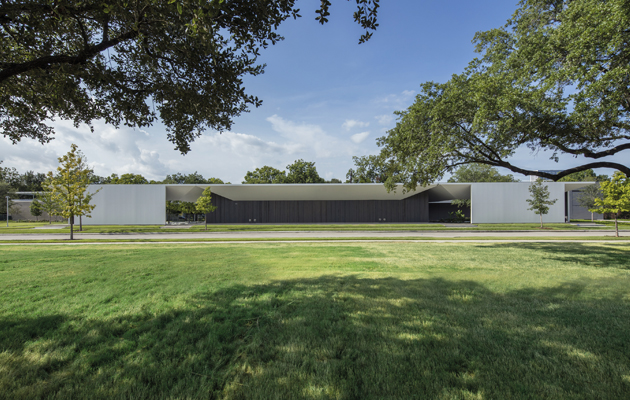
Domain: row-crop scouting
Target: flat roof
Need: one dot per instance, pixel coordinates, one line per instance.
(301, 191)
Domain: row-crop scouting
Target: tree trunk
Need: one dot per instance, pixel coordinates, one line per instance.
(592, 217)
(541, 224)
(80, 223)
(616, 226)
(71, 226)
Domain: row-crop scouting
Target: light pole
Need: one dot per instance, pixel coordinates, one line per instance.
(7, 211)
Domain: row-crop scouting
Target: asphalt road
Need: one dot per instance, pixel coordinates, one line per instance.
(314, 235)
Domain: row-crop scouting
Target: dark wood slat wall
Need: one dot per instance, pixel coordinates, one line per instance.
(411, 209)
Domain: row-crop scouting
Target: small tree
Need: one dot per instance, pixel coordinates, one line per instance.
(539, 200)
(204, 204)
(69, 187)
(36, 209)
(47, 202)
(616, 197)
(587, 198)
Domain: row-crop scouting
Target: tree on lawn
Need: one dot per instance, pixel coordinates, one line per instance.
(68, 187)
(587, 197)
(182, 61)
(539, 200)
(36, 209)
(616, 198)
(204, 204)
(554, 78)
(47, 202)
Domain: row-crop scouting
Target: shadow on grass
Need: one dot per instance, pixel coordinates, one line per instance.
(332, 337)
(610, 256)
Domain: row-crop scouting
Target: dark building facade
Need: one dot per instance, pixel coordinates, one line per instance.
(411, 209)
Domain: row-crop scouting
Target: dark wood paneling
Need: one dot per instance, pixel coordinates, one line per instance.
(412, 209)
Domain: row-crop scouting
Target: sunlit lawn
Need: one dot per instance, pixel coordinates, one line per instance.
(30, 227)
(281, 321)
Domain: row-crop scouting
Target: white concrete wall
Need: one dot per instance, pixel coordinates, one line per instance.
(507, 203)
(128, 205)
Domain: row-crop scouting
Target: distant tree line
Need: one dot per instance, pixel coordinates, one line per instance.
(299, 172)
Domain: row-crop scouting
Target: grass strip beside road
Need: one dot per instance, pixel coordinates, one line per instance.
(345, 239)
(323, 320)
(22, 227)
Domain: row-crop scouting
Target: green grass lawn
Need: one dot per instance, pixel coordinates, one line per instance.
(281, 321)
(29, 227)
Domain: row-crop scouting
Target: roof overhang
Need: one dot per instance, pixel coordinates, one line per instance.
(323, 191)
(568, 186)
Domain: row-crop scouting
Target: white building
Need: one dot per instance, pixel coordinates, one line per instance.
(503, 202)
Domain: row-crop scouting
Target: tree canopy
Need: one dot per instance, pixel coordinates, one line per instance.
(129, 63)
(299, 172)
(369, 169)
(479, 173)
(554, 78)
(124, 179)
(265, 174)
(303, 172)
(29, 181)
(588, 175)
(190, 179)
(6, 190)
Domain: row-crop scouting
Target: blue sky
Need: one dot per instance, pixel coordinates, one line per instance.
(325, 97)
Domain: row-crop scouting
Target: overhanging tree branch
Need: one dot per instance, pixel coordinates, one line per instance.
(590, 154)
(12, 69)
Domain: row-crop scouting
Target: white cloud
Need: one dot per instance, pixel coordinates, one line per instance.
(359, 137)
(248, 144)
(312, 138)
(398, 100)
(108, 150)
(352, 123)
(227, 156)
(385, 119)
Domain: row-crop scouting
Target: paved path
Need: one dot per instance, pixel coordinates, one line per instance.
(242, 242)
(312, 235)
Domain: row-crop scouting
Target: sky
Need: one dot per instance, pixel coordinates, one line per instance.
(325, 97)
